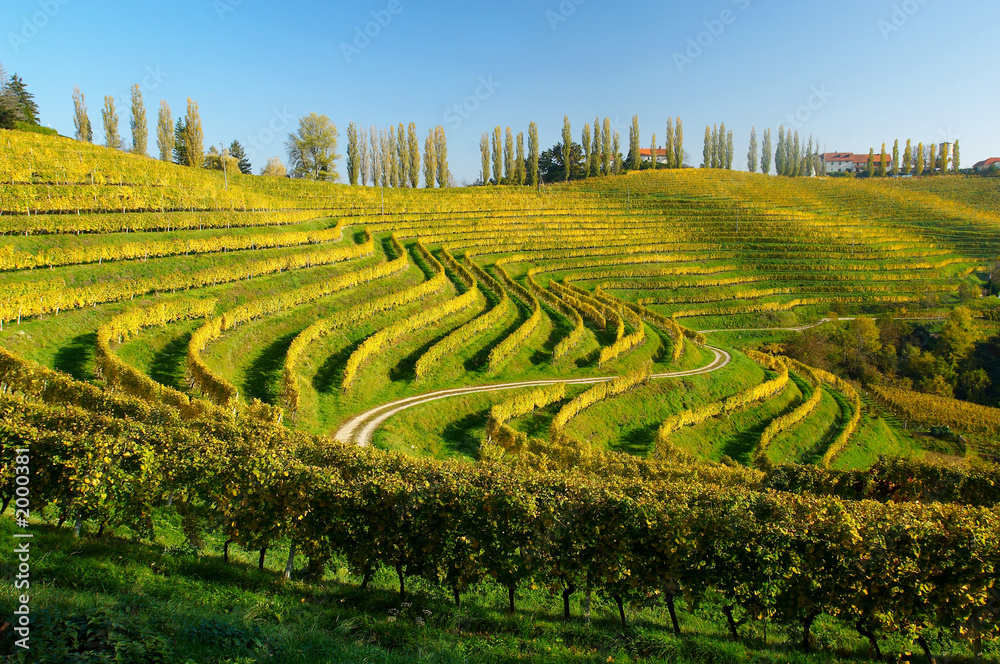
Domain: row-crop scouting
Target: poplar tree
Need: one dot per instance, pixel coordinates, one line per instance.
(430, 160)
(364, 158)
(484, 150)
(497, 155)
(932, 159)
(720, 147)
(84, 132)
(652, 153)
(678, 143)
(795, 165)
(669, 143)
(110, 116)
(895, 158)
(519, 160)
(194, 137)
(706, 154)
(353, 154)
(140, 131)
(508, 156)
(533, 154)
(881, 164)
(779, 152)
(375, 153)
(752, 152)
(606, 147)
(585, 142)
(392, 158)
(385, 158)
(413, 154)
(907, 158)
(403, 155)
(920, 160)
(165, 132)
(954, 158)
(633, 145)
(729, 150)
(595, 148)
(616, 157)
(567, 146)
(870, 168)
(441, 157)
(765, 153)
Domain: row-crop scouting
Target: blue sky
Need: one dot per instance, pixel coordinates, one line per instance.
(856, 72)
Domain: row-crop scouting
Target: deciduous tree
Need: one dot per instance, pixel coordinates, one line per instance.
(633, 144)
(567, 144)
(920, 160)
(430, 160)
(669, 144)
(110, 116)
(519, 171)
(765, 153)
(194, 136)
(441, 157)
(353, 154)
(413, 153)
(484, 152)
(752, 152)
(895, 158)
(678, 143)
(84, 132)
(907, 158)
(533, 154)
(274, 168)
(165, 132)
(140, 130)
(497, 155)
(585, 143)
(312, 150)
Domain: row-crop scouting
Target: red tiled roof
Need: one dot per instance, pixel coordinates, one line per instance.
(986, 163)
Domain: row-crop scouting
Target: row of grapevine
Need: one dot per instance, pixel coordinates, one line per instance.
(569, 342)
(625, 343)
(500, 434)
(784, 422)
(930, 410)
(136, 222)
(764, 307)
(840, 443)
(506, 348)
(604, 390)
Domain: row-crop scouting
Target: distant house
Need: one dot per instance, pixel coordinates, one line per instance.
(646, 155)
(849, 162)
(986, 164)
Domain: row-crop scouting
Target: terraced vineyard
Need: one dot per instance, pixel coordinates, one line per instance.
(160, 314)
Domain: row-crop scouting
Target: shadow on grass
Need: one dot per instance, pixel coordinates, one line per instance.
(330, 374)
(75, 357)
(457, 434)
(561, 328)
(406, 368)
(637, 442)
(167, 366)
(264, 373)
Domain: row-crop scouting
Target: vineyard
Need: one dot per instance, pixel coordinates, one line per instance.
(577, 389)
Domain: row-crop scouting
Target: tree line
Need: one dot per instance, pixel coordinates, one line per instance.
(391, 158)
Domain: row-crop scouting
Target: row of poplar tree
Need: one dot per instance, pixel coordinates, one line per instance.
(391, 158)
(922, 161)
(792, 157)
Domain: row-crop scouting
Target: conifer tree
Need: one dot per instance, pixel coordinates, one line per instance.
(585, 142)
(19, 101)
(752, 152)
(497, 155)
(484, 153)
(84, 132)
(140, 131)
(932, 160)
(919, 170)
(519, 160)
(954, 158)
(706, 154)
(633, 145)
(669, 143)
(870, 168)
(678, 143)
(403, 155)
(765, 153)
(194, 137)
(606, 147)
(237, 152)
(430, 160)
(413, 154)
(616, 156)
(533, 154)
(907, 164)
(180, 143)
(110, 116)
(653, 153)
(441, 157)
(567, 146)
(508, 156)
(165, 132)
(353, 154)
(895, 158)
(883, 157)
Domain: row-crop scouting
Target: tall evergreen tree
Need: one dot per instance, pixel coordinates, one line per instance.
(634, 160)
(533, 154)
(237, 152)
(8, 103)
(752, 152)
(165, 132)
(669, 143)
(919, 169)
(484, 150)
(84, 132)
(907, 158)
(895, 158)
(180, 143)
(678, 143)
(413, 154)
(616, 156)
(729, 150)
(932, 159)
(765, 153)
(441, 157)
(430, 160)
(111, 137)
(954, 158)
(567, 146)
(606, 147)
(508, 156)
(23, 101)
(497, 155)
(194, 137)
(706, 154)
(883, 158)
(870, 167)
(585, 143)
(519, 171)
(653, 153)
(353, 154)
(403, 155)
(140, 131)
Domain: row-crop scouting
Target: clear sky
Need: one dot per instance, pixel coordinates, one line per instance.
(856, 72)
